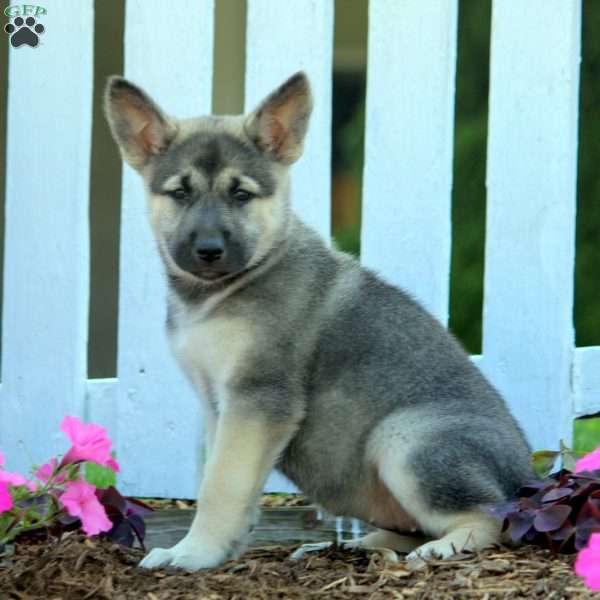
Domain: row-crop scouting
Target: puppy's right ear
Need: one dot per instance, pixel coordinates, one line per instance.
(138, 125)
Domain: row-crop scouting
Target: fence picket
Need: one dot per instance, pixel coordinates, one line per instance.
(300, 37)
(586, 381)
(532, 161)
(408, 146)
(160, 435)
(46, 283)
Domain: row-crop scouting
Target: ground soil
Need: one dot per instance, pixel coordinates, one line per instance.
(79, 569)
(271, 500)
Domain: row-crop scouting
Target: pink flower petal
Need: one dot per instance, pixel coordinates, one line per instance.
(587, 564)
(6, 502)
(590, 462)
(46, 470)
(15, 479)
(12, 478)
(80, 501)
(95, 520)
(81, 433)
(89, 442)
(113, 464)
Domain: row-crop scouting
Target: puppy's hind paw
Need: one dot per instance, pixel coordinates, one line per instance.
(308, 548)
(387, 554)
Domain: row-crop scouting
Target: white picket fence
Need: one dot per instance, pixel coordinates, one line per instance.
(528, 341)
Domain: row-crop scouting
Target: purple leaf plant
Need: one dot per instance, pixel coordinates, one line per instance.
(559, 511)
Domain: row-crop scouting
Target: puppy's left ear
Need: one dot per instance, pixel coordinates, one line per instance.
(279, 124)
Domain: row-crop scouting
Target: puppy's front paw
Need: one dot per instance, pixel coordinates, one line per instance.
(188, 554)
(156, 558)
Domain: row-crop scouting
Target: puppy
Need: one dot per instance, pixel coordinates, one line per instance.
(304, 360)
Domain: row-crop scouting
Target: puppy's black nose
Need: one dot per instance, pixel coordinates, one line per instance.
(209, 250)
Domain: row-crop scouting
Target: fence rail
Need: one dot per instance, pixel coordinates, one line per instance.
(528, 341)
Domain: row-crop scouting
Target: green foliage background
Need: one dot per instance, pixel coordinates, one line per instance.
(469, 192)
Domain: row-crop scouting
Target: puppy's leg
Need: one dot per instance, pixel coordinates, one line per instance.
(210, 430)
(440, 488)
(245, 450)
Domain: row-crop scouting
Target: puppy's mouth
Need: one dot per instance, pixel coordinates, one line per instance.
(210, 275)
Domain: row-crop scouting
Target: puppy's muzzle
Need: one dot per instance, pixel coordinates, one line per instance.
(208, 251)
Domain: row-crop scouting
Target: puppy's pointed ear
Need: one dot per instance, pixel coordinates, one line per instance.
(138, 125)
(279, 124)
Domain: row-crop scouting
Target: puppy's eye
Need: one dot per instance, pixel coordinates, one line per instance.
(179, 194)
(242, 195)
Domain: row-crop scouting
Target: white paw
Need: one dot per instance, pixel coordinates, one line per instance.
(436, 549)
(188, 554)
(158, 557)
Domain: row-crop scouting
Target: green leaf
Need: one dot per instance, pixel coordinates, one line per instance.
(568, 457)
(101, 477)
(563, 447)
(6, 518)
(20, 493)
(543, 461)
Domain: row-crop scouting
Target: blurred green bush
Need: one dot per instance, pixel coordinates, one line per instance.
(468, 211)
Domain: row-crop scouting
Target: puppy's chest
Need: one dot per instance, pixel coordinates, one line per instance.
(211, 350)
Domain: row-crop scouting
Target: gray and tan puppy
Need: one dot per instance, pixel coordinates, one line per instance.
(304, 360)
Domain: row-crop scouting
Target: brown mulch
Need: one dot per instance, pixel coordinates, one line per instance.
(79, 569)
(271, 500)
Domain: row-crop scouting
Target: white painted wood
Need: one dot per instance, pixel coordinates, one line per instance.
(47, 243)
(160, 434)
(408, 146)
(283, 38)
(101, 404)
(532, 158)
(586, 381)
(300, 37)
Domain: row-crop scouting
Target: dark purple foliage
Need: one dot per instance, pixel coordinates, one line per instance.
(559, 513)
(126, 515)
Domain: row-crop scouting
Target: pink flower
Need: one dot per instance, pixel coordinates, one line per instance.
(15, 479)
(6, 502)
(80, 501)
(45, 472)
(90, 442)
(12, 478)
(587, 564)
(590, 462)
